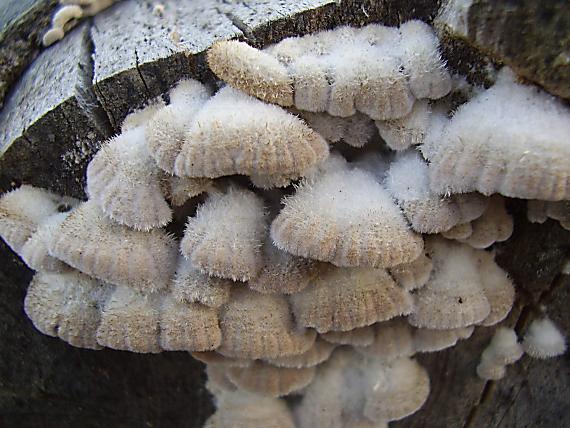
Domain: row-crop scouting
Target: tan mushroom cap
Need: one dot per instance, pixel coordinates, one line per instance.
(282, 272)
(503, 350)
(217, 380)
(188, 327)
(459, 231)
(166, 131)
(66, 305)
(392, 339)
(181, 189)
(256, 325)
(428, 340)
(224, 239)
(362, 336)
(239, 409)
(539, 211)
(544, 340)
(270, 381)
(317, 354)
(406, 131)
(495, 225)
(21, 212)
(344, 299)
(498, 288)
(35, 251)
(414, 275)
(253, 71)
(453, 297)
(345, 217)
(422, 60)
(124, 181)
(395, 390)
(354, 130)
(130, 322)
(92, 244)
(192, 286)
(237, 134)
(517, 146)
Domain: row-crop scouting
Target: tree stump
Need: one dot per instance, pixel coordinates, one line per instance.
(76, 93)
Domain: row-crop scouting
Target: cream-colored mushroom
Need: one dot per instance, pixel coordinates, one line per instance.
(362, 336)
(495, 225)
(344, 299)
(503, 350)
(428, 340)
(413, 275)
(544, 340)
(392, 339)
(317, 354)
(498, 288)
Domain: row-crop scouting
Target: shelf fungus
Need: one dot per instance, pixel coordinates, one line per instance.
(375, 70)
(503, 350)
(344, 299)
(454, 295)
(274, 228)
(347, 218)
(225, 237)
(544, 340)
(256, 325)
(517, 146)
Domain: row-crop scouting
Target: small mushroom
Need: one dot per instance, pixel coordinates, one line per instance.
(181, 189)
(268, 380)
(344, 299)
(407, 131)
(188, 327)
(124, 181)
(237, 134)
(354, 130)
(453, 297)
(544, 340)
(428, 340)
(413, 275)
(66, 305)
(224, 239)
(539, 211)
(253, 71)
(495, 225)
(166, 131)
(192, 286)
(91, 243)
(213, 358)
(130, 322)
(459, 231)
(392, 339)
(347, 218)
(256, 325)
(498, 288)
(503, 350)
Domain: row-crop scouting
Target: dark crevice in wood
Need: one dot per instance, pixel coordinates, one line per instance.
(146, 88)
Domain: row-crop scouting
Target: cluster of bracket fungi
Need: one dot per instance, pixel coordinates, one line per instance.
(306, 229)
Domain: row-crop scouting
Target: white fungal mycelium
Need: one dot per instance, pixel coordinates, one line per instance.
(543, 339)
(275, 229)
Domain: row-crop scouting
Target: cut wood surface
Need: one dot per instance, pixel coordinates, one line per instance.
(75, 95)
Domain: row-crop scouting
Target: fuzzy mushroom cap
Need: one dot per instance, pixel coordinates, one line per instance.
(188, 327)
(270, 381)
(347, 218)
(66, 305)
(317, 354)
(453, 297)
(344, 299)
(518, 146)
(225, 237)
(494, 225)
(407, 131)
(392, 339)
(544, 340)
(89, 242)
(252, 71)
(237, 134)
(166, 131)
(282, 272)
(355, 130)
(503, 350)
(498, 288)
(22, 211)
(414, 275)
(396, 390)
(124, 181)
(192, 286)
(130, 322)
(256, 325)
